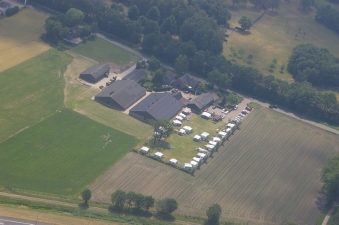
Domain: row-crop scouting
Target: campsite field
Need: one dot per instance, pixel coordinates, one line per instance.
(267, 173)
(19, 39)
(273, 36)
(62, 154)
(31, 91)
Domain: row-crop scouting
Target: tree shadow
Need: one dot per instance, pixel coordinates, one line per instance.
(243, 32)
(83, 205)
(139, 212)
(321, 201)
(165, 217)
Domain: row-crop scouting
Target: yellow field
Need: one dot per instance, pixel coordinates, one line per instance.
(21, 41)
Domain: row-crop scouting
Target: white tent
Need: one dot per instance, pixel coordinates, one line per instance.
(196, 138)
(176, 123)
(196, 159)
(201, 155)
(173, 161)
(144, 150)
(179, 118)
(181, 132)
(159, 155)
(204, 135)
(194, 163)
(201, 150)
(206, 115)
(188, 166)
(216, 139)
(188, 129)
(182, 115)
(212, 143)
(230, 125)
(209, 147)
(221, 134)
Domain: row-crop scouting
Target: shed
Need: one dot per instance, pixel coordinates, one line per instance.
(201, 155)
(221, 134)
(181, 132)
(196, 159)
(144, 150)
(196, 138)
(209, 147)
(212, 143)
(95, 73)
(159, 155)
(176, 123)
(188, 166)
(216, 139)
(204, 135)
(173, 161)
(188, 129)
(194, 163)
(206, 115)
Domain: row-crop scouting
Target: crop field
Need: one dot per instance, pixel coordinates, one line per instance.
(183, 146)
(102, 51)
(19, 38)
(267, 173)
(62, 154)
(31, 91)
(273, 36)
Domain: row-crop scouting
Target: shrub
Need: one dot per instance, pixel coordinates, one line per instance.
(12, 11)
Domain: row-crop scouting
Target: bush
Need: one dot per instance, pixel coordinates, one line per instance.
(12, 11)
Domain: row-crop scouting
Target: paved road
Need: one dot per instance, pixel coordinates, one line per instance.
(12, 221)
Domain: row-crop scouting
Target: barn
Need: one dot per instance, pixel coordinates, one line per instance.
(121, 94)
(201, 102)
(95, 73)
(156, 106)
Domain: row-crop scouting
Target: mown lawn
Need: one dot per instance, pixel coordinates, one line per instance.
(62, 154)
(31, 91)
(102, 51)
(274, 36)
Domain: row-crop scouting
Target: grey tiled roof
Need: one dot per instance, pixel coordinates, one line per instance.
(97, 70)
(202, 100)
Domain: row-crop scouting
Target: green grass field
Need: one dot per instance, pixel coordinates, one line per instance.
(102, 51)
(273, 36)
(62, 154)
(19, 38)
(267, 173)
(31, 91)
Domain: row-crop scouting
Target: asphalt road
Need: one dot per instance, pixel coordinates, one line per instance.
(12, 221)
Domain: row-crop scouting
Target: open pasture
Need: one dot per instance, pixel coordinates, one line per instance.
(273, 36)
(62, 154)
(19, 38)
(31, 91)
(267, 173)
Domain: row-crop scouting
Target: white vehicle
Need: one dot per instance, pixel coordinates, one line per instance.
(227, 112)
(236, 107)
(223, 110)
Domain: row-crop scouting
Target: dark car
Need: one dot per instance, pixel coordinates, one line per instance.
(273, 106)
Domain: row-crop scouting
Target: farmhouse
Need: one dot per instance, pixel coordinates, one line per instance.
(186, 81)
(121, 94)
(201, 102)
(156, 106)
(135, 75)
(95, 73)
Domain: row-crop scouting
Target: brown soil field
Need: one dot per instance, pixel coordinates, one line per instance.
(267, 173)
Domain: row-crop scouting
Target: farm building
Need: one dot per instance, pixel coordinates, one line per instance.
(169, 79)
(95, 73)
(173, 161)
(159, 155)
(135, 75)
(201, 102)
(144, 150)
(186, 81)
(121, 94)
(156, 106)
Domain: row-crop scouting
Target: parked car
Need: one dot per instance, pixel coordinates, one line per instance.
(249, 108)
(235, 107)
(101, 87)
(205, 110)
(223, 110)
(213, 107)
(227, 112)
(273, 106)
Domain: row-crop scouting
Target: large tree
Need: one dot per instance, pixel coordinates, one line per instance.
(169, 25)
(162, 129)
(213, 214)
(75, 16)
(119, 198)
(245, 22)
(133, 12)
(158, 77)
(181, 64)
(153, 14)
(86, 195)
(330, 177)
(166, 206)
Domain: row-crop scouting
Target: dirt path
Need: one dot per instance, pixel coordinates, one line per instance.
(329, 214)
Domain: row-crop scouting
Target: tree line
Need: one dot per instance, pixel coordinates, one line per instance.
(315, 65)
(328, 16)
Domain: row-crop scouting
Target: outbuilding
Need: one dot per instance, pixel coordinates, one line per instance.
(95, 73)
(159, 155)
(201, 102)
(144, 150)
(135, 75)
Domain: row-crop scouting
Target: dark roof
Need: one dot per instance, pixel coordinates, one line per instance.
(177, 95)
(159, 106)
(202, 100)
(124, 92)
(97, 70)
(169, 78)
(4, 5)
(135, 75)
(188, 80)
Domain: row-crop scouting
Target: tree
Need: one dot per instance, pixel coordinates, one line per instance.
(133, 12)
(162, 129)
(213, 77)
(232, 98)
(153, 14)
(86, 195)
(118, 198)
(153, 63)
(166, 206)
(130, 198)
(85, 31)
(151, 26)
(213, 214)
(224, 81)
(201, 88)
(75, 16)
(245, 22)
(12, 11)
(94, 27)
(139, 200)
(148, 202)
(64, 32)
(181, 64)
(330, 178)
(158, 77)
(169, 25)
